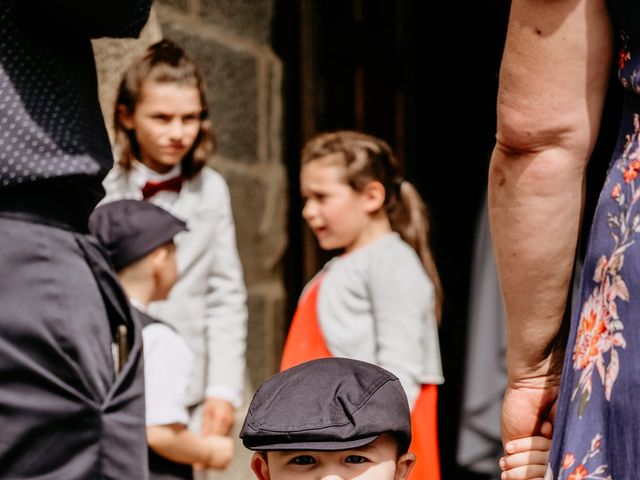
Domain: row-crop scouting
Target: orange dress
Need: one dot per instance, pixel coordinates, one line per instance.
(305, 342)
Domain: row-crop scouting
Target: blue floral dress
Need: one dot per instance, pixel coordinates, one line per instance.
(597, 431)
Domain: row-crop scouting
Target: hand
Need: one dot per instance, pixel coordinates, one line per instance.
(217, 417)
(526, 407)
(527, 458)
(221, 451)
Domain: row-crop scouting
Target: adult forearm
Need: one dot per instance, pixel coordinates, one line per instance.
(535, 204)
(549, 107)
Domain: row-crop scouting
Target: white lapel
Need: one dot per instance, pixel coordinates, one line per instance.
(187, 203)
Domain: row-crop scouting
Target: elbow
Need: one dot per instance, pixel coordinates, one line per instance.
(535, 150)
(523, 131)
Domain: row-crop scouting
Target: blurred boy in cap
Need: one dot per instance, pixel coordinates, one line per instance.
(139, 239)
(330, 418)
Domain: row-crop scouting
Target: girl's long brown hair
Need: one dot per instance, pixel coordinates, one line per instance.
(366, 159)
(163, 62)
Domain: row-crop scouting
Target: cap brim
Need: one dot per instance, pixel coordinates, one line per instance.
(317, 446)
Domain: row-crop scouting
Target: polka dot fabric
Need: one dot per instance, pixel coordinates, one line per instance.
(51, 125)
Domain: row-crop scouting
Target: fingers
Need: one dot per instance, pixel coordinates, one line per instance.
(533, 457)
(526, 458)
(207, 418)
(220, 426)
(222, 422)
(528, 443)
(218, 417)
(529, 472)
(222, 451)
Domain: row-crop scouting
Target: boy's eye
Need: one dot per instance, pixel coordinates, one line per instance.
(356, 459)
(161, 117)
(303, 460)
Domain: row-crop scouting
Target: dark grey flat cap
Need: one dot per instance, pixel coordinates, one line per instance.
(130, 229)
(327, 404)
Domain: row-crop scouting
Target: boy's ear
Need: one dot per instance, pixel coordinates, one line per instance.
(404, 465)
(374, 195)
(125, 117)
(158, 257)
(260, 466)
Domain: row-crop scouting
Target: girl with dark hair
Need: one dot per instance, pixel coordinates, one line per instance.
(380, 301)
(163, 139)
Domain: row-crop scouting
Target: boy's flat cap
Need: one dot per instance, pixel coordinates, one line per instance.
(130, 229)
(327, 404)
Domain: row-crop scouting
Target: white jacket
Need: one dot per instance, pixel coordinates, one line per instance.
(208, 303)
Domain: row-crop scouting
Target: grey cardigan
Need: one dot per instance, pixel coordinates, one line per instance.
(376, 304)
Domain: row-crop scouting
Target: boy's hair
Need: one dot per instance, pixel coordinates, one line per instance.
(130, 229)
(163, 62)
(365, 159)
(327, 405)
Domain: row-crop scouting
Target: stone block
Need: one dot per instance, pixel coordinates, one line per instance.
(258, 331)
(280, 323)
(266, 331)
(231, 78)
(246, 18)
(275, 111)
(181, 5)
(259, 208)
(113, 57)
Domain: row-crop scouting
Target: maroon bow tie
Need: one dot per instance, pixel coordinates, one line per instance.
(171, 185)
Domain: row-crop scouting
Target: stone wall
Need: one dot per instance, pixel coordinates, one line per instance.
(230, 40)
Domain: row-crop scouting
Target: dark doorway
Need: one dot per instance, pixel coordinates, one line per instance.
(383, 67)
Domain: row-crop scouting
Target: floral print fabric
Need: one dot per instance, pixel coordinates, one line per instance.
(597, 429)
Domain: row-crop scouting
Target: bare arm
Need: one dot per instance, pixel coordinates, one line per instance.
(180, 445)
(552, 84)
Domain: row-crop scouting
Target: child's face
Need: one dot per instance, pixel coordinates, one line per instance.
(166, 122)
(375, 461)
(337, 214)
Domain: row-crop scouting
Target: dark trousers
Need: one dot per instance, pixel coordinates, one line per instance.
(64, 412)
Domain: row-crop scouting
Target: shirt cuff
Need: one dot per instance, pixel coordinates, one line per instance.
(225, 392)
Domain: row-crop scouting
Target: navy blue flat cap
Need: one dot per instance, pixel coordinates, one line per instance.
(130, 229)
(328, 404)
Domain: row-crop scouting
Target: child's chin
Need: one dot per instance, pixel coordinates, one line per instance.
(326, 244)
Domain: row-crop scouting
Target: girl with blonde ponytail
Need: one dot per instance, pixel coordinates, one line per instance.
(380, 301)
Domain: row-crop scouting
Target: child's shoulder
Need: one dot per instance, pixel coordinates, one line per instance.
(162, 337)
(383, 255)
(209, 182)
(115, 175)
(391, 256)
(389, 248)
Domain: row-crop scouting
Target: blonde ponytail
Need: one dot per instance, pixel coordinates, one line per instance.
(409, 217)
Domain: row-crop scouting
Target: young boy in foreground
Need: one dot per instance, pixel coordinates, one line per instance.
(333, 418)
